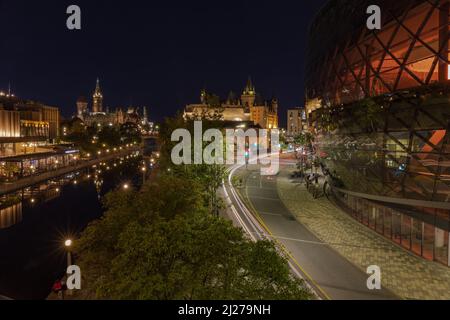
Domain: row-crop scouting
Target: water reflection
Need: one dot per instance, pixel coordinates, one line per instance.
(34, 221)
(11, 215)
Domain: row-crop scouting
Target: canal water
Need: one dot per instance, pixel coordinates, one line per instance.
(35, 222)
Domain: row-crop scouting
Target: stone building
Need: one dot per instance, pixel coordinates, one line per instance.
(99, 115)
(249, 107)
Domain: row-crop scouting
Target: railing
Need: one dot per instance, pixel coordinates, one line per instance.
(6, 188)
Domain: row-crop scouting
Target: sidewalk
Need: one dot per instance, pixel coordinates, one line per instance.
(405, 274)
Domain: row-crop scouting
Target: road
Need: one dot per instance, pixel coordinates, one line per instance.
(328, 274)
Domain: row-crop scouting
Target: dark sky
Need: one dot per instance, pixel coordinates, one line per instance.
(154, 53)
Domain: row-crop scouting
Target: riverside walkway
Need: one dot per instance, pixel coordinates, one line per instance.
(406, 275)
(6, 188)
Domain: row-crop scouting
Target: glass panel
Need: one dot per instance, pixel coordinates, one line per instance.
(416, 237)
(406, 231)
(365, 213)
(388, 223)
(372, 216)
(441, 246)
(380, 220)
(428, 242)
(396, 227)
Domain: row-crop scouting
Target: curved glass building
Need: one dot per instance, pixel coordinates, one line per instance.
(379, 102)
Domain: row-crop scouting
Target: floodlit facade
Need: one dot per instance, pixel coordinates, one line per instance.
(379, 102)
(250, 107)
(26, 125)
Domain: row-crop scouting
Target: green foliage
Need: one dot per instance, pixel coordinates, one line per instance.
(166, 242)
(367, 114)
(304, 139)
(147, 248)
(111, 136)
(210, 177)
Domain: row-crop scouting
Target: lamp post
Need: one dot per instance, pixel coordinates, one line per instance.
(68, 244)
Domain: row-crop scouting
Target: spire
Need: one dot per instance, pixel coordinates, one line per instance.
(97, 105)
(97, 86)
(249, 83)
(249, 88)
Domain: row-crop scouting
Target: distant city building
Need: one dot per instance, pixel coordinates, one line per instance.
(26, 125)
(99, 115)
(250, 107)
(82, 107)
(296, 121)
(97, 106)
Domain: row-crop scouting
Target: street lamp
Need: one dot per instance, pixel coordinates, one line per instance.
(68, 243)
(126, 186)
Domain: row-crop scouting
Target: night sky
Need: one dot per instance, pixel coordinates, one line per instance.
(157, 54)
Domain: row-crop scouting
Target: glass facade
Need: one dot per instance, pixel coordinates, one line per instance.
(379, 105)
(12, 169)
(411, 50)
(422, 238)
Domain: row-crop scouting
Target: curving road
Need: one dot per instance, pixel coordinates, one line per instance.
(329, 274)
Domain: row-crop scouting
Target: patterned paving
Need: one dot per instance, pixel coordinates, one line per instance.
(403, 273)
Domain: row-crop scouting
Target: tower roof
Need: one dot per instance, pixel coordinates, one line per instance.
(98, 91)
(249, 88)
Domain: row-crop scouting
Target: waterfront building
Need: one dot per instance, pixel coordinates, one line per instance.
(26, 126)
(379, 103)
(249, 107)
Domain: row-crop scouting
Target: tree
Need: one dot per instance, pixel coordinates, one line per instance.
(304, 139)
(368, 114)
(167, 242)
(161, 244)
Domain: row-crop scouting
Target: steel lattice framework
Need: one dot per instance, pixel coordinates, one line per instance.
(410, 51)
(379, 102)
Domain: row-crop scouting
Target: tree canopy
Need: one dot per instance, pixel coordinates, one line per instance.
(166, 242)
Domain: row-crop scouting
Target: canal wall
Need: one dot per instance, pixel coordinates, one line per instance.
(6, 188)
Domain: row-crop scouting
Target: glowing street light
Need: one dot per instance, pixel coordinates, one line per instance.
(68, 243)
